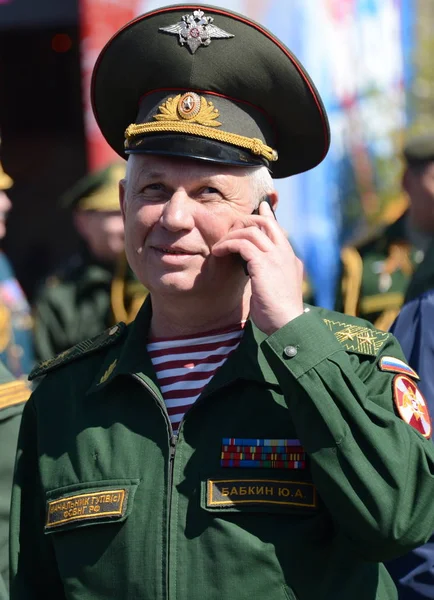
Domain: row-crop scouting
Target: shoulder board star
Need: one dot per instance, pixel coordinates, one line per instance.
(356, 338)
(106, 338)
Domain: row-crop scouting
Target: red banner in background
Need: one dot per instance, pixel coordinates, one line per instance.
(99, 20)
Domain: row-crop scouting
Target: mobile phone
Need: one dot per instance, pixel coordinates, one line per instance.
(256, 212)
(268, 201)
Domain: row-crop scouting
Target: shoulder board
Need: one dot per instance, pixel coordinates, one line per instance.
(357, 338)
(13, 392)
(106, 338)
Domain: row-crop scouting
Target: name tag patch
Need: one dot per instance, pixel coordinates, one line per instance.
(231, 492)
(262, 453)
(80, 507)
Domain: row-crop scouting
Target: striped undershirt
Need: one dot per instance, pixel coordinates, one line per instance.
(184, 365)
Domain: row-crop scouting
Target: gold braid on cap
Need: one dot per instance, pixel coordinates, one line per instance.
(194, 115)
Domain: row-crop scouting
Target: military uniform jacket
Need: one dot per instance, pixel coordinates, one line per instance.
(72, 305)
(108, 503)
(376, 274)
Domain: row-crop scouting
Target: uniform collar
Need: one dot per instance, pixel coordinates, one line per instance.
(131, 357)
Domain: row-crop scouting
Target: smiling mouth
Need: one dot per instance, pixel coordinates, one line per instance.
(172, 251)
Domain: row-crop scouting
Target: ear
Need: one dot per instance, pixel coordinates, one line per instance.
(274, 199)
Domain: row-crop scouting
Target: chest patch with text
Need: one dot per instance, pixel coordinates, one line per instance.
(232, 492)
(262, 453)
(80, 507)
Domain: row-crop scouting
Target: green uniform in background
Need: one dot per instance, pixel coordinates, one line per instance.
(13, 394)
(89, 293)
(375, 274)
(112, 504)
(397, 263)
(72, 304)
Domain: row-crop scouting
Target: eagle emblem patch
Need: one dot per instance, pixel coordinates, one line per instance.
(411, 404)
(196, 30)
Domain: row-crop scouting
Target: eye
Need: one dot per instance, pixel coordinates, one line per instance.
(154, 191)
(209, 194)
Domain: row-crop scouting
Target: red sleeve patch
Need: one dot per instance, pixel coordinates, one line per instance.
(411, 404)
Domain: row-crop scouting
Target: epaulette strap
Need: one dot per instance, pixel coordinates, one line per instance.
(13, 392)
(106, 338)
(356, 338)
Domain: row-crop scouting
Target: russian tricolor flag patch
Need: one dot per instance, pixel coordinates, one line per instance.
(394, 365)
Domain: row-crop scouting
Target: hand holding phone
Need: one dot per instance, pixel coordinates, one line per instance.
(276, 274)
(256, 212)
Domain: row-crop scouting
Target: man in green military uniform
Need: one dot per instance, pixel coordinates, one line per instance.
(75, 302)
(377, 273)
(230, 442)
(419, 183)
(13, 395)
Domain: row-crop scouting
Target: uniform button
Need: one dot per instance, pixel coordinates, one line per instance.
(113, 330)
(290, 351)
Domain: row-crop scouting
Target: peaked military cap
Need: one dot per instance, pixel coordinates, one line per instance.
(97, 191)
(419, 149)
(206, 83)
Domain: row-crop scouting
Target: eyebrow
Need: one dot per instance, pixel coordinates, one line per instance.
(151, 174)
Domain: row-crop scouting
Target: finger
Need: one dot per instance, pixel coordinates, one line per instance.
(265, 210)
(245, 248)
(268, 226)
(253, 234)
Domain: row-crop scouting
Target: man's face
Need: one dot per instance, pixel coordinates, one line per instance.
(175, 210)
(5, 206)
(102, 231)
(419, 184)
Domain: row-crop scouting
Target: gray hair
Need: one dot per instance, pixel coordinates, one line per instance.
(261, 182)
(260, 179)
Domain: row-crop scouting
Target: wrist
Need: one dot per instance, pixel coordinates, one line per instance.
(282, 320)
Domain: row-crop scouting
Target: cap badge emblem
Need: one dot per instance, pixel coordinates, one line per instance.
(196, 30)
(189, 107)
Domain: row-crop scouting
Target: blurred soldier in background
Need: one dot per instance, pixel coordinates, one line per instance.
(16, 346)
(378, 271)
(75, 302)
(13, 395)
(419, 184)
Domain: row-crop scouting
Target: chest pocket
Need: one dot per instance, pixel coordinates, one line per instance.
(89, 503)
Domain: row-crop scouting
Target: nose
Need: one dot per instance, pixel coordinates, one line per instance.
(177, 213)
